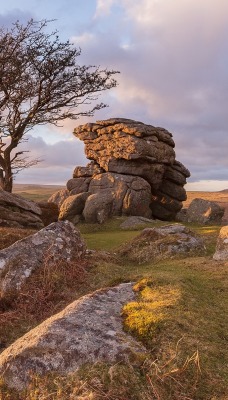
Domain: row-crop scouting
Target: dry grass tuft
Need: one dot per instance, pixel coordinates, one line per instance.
(46, 292)
(9, 236)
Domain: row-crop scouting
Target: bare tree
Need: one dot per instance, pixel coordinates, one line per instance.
(41, 83)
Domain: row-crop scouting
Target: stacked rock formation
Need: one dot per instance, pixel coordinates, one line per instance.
(133, 171)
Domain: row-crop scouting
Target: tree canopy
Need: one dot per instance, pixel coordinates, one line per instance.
(41, 83)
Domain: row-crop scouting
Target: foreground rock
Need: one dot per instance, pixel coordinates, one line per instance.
(15, 211)
(87, 331)
(203, 212)
(58, 241)
(162, 243)
(133, 171)
(221, 252)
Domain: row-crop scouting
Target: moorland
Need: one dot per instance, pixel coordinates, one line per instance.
(187, 350)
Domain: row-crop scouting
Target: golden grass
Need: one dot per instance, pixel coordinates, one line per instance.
(180, 315)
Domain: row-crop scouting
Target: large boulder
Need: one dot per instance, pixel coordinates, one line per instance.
(203, 212)
(98, 208)
(131, 195)
(15, 211)
(59, 197)
(126, 139)
(72, 208)
(221, 252)
(162, 243)
(87, 331)
(58, 241)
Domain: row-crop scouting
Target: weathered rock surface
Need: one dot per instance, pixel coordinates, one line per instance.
(203, 212)
(88, 330)
(59, 197)
(161, 243)
(221, 252)
(125, 147)
(15, 211)
(72, 208)
(135, 222)
(58, 241)
(133, 163)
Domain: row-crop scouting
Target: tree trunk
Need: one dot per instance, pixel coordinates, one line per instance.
(1, 179)
(6, 179)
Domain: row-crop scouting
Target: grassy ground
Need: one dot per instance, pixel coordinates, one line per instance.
(180, 315)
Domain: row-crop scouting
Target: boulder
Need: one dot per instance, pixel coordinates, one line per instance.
(58, 241)
(15, 211)
(98, 208)
(131, 195)
(204, 212)
(90, 170)
(87, 331)
(72, 207)
(136, 222)
(182, 216)
(59, 197)
(78, 185)
(50, 212)
(221, 252)
(162, 243)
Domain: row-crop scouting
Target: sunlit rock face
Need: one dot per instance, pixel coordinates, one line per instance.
(133, 171)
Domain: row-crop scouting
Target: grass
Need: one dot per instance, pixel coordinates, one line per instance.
(180, 314)
(36, 192)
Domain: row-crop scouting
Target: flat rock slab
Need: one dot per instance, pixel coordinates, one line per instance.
(59, 241)
(136, 222)
(221, 252)
(88, 330)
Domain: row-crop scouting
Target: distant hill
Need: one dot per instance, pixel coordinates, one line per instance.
(36, 192)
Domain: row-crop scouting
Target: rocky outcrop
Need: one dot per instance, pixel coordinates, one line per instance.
(59, 197)
(221, 252)
(88, 330)
(203, 212)
(133, 171)
(162, 243)
(15, 211)
(60, 241)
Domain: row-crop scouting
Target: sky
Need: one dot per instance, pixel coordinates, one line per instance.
(173, 61)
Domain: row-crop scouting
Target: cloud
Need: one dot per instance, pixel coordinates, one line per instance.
(173, 58)
(65, 153)
(58, 160)
(103, 8)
